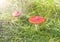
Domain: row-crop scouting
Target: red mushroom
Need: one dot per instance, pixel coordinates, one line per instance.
(36, 20)
(16, 14)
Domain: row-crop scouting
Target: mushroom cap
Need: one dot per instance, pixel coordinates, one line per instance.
(36, 19)
(16, 14)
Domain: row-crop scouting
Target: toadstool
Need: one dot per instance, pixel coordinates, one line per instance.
(16, 14)
(36, 20)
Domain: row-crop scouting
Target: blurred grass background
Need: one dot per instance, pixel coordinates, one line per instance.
(23, 31)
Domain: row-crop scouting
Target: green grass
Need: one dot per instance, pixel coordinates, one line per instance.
(22, 30)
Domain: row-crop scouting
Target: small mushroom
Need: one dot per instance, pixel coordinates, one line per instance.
(16, 14)
(36, 20)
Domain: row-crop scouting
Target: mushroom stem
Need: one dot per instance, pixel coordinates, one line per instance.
(36, 26)
(16, 18)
